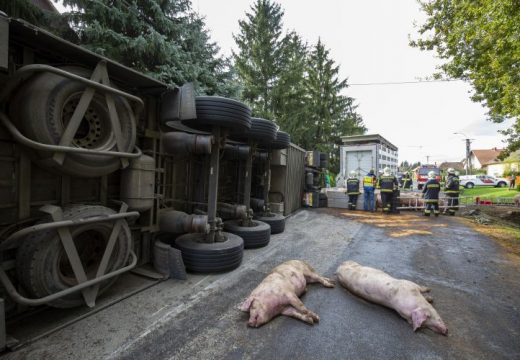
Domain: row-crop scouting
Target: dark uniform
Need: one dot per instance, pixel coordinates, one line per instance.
(407, 181)
(431, 197)
(451, 189)
(352, 192)
(387, 184)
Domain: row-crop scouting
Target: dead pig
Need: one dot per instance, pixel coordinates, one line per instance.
(405, 297)
(279, 293)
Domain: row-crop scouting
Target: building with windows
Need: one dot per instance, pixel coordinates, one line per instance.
(364, 152)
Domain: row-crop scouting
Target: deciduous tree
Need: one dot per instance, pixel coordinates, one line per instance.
(480, 43)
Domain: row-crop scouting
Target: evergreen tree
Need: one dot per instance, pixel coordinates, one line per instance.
(165, 39)
(330, 114)
(258, 61)
(49, 20)
(289, 93)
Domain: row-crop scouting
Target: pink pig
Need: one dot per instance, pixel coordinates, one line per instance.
(405, 297)
(279, 293)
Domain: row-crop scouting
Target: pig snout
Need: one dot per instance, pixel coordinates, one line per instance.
(258, 315)
(436, 324)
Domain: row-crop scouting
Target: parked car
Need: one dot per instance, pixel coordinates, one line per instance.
(470, 181)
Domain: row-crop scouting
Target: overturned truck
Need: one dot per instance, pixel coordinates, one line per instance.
(98, 162)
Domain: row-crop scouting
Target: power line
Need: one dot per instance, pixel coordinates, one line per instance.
(403, 82)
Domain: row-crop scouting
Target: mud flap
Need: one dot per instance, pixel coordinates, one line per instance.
(178, 104)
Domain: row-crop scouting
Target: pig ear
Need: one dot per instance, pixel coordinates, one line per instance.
(246, 304)
(419, 316)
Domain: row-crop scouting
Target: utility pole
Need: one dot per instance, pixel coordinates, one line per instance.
(468, 156)
(468, 152)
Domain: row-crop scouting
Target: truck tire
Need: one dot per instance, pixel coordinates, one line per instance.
(42, 265)
(254, 236)
(210, 257)
(262, 131)
(276, 221)
(282, 141)
(42, 107)
(219, 111)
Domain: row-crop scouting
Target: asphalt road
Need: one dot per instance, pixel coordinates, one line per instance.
(476, 289)
(475, 286)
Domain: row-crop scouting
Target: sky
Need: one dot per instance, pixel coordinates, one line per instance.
(369, 40)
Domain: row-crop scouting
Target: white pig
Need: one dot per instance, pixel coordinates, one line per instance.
(279, 293)
(405, 297)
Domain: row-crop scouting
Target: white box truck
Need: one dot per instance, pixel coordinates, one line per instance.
(362, 153)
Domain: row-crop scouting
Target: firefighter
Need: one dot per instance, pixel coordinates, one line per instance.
(352, 190)
(369, 183)
(451, 189)
(407, 181)
(431, 195)
(388, 184)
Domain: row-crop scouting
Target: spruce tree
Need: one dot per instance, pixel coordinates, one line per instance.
(49, 20)
(258, 61)
(289, 93)
(330, 114)
(165, 39)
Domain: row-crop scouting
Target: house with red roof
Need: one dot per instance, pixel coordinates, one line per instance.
(480, 159)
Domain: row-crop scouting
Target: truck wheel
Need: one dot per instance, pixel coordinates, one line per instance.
(42, 264)
(43, 107)
(283, 141)
(262, 131)
(202, 257)
(470, 185)
(276, 221)
(254, 236)
(219, 111)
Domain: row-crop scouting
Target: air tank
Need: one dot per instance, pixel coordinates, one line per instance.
(138, 183)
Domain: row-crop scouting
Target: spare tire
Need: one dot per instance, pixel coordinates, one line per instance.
(43, 106)
(219, 111)
(282, 141)
(42, 264)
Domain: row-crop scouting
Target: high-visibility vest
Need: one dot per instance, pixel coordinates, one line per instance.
(368, 181)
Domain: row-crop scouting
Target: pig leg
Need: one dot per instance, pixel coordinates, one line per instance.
(312, 277)
(297, 303)
(246, 304)
(292, 312)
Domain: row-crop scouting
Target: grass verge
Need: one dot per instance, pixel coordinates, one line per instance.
(490, 192)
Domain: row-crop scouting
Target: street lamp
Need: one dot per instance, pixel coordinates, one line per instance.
(468, 151)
